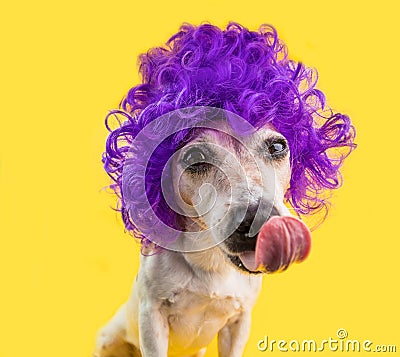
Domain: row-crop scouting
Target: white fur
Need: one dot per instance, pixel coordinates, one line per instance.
(180, 301)
(180, 308)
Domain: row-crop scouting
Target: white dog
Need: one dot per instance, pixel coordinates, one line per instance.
(182, 298)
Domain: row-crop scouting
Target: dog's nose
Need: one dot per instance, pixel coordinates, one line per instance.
(245, 214)
(253, 219)
(244, 227)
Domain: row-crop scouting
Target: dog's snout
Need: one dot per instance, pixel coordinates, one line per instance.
(245, 215)
(244, 227)
(249, 220)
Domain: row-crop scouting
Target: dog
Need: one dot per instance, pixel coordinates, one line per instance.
(229, 179)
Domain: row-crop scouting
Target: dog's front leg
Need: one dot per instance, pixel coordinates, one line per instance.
(233, 336)
(153, 330)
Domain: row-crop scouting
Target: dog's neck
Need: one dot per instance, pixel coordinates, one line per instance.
(210, 260)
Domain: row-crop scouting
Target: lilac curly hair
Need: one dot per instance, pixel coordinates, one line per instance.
(241, 71)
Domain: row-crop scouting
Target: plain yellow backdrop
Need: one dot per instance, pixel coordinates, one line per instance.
(66, 263)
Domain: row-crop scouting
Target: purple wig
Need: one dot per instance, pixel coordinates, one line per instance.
(241, 71)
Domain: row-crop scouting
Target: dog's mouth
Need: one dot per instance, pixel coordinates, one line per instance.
(237, 262)
(280, 242)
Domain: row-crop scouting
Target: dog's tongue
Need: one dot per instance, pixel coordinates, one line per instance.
(281, 242)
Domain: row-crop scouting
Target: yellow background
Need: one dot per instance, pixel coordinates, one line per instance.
(65, 262)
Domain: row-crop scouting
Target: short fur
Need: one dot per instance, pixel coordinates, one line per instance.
(182, 299)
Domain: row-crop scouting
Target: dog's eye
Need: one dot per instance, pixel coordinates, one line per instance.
(195, 161)
(277, 148)
(194, 156)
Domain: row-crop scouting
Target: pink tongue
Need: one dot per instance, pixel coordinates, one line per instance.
(249, 260)
(281, 242)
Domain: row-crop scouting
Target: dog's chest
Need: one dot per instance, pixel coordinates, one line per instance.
(207, 301)
(198, 311)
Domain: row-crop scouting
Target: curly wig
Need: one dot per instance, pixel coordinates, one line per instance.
(244, 72)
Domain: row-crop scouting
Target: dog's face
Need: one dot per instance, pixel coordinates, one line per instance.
(231, 185)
